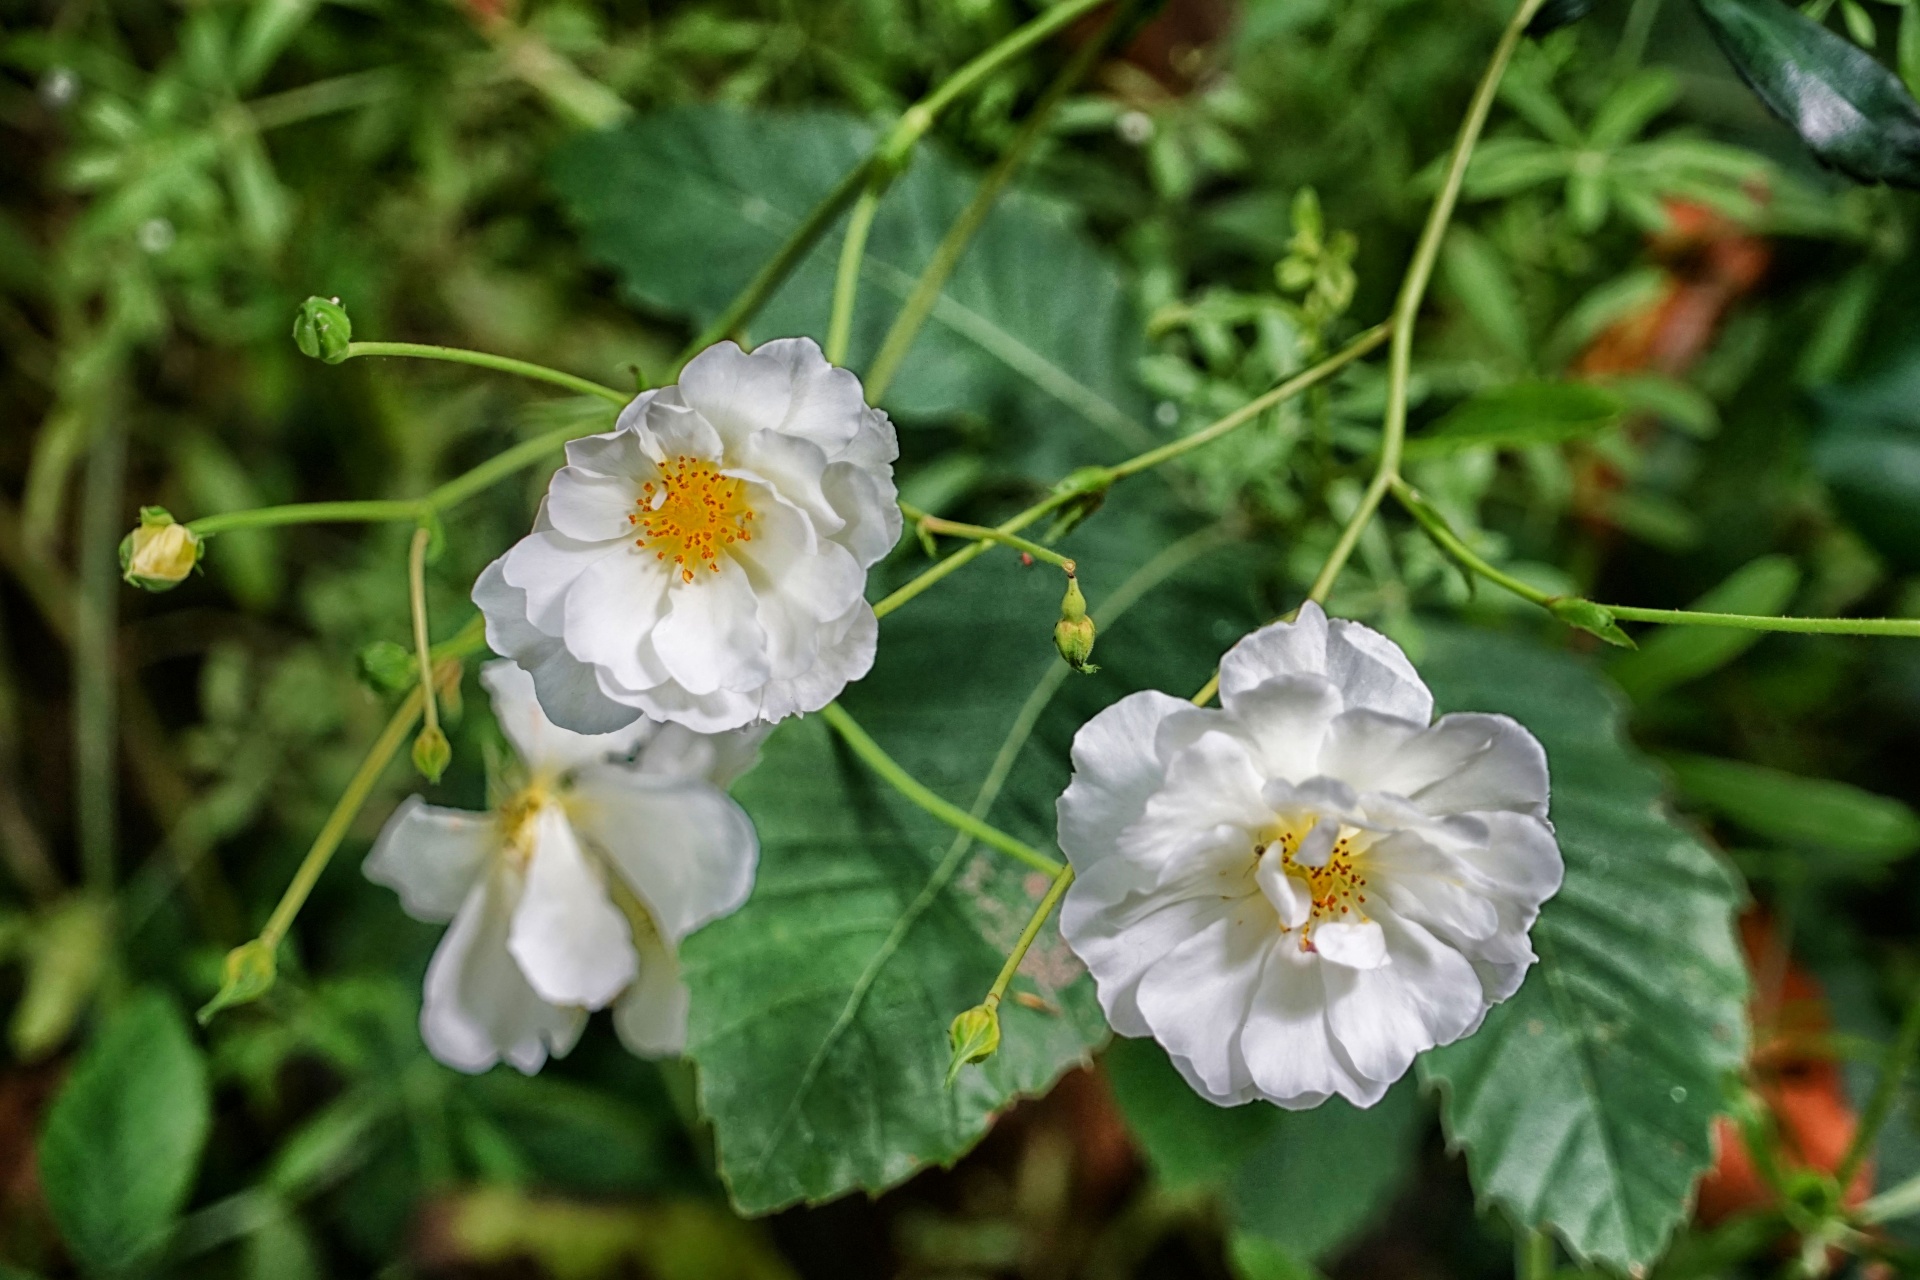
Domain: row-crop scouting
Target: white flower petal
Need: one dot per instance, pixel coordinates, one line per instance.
(1210, 786)
(590, 507)
(682, 846)
(793, 467)
(676, 751)
(478, 1008)
(571, 942)
(1204, 985)
(542, 743)
(1119, 931)
(1288, 718)
(1360, 945)
(1285, 1042)
(1461, 764)
(1290, 896)
(864, 499)
(620, 452)
(1369, 669)
(1428, 995)
(568, 689)
(711, 638)
(610, 612)
(431, 857)
(1115, 770)
(650, 1017)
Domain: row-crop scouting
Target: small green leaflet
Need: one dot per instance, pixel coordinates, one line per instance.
(1585, 1103)
(1853, 112)
(122, 1141)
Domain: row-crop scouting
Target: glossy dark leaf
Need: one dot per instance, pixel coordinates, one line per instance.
(1852, 111)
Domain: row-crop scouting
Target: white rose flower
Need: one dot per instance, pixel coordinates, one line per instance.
(1299, 891)
(577, 890)
(706, 561)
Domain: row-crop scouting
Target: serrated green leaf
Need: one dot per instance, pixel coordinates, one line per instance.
(1850, 110)
(687, 204)
(122, 1140)
(1585, 1103)
(1815, 813)
(1671, 656)
(1522, 413)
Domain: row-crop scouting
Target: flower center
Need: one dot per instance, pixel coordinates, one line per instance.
(1335, 887)
(691, 514)
(517, 817)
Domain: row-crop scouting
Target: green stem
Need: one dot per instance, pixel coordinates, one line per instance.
(1098, 478)
(96, 711)
(471, 639)
(946, 256)
(373, 512)
(880, 166)
(1024, 942)
(907, 785)
(498, 467)
(1450, 542)
(1533, 1256)
(846, 280)
(323, 97)
(1413, 288)
(980, 533)
(487, 360)
(1885, 1090)
(417, 590)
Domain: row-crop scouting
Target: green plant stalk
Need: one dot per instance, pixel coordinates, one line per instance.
(1413, 288)
(980, 533)
(1533, 1256)
(96, 711)
(486, 360)
(470, 640)
(1024, 942)
(881, 164)
(1246, 413)
(910, 787)
(1467, 558)
(1886, 1089)
(946, 255)
(417, 593)
(846, 280)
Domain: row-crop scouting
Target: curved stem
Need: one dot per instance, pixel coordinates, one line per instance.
(910, 787)
(946, 256)
(417, 590)
(991, 60)
(980, 533)
(499, 467)
(1024, 942)
(846, 280)
(378, 511)
(1413, 288)
(1099, 478)
(486, 360)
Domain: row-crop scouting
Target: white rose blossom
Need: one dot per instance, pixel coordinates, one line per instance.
(706, 561)
(1300, 890)
(576, 892)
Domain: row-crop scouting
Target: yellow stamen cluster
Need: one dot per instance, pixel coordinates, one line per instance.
(1336, 887)
(691, 515)
(516, 818)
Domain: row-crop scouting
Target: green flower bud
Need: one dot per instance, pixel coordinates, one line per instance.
(247, 975)
(321, 330)
(975, 1036)
(389, 667)
(432, 753)
(160, 553)
(1073, 634)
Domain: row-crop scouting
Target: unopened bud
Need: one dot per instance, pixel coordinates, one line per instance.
(321, 330)
(160, 552)
(247, 975)
(975, 1037)
(1073, 634)
(432, 753)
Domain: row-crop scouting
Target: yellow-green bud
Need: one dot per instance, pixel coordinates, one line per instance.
(160, 552)
(975, 1037)
(1073, 634)
(321, 330)
(247, 975)
(432, 753)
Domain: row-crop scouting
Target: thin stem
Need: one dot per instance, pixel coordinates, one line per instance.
(322, 97)
(417, 590)
(486, 360)
(1885, 1090)
(372, 512)
(470, 639)
(886, 159)
(980, 533)
(499, 467)
(1024, 942)
(1908, 627)
(946, 256)
(1207, 690)
(846, 280)
(908, 786)
(1450, 542)
(1100, 478)
(1533, 1256)
(1413, 288)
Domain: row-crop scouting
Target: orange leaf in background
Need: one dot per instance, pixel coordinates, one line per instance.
(1795, 1074)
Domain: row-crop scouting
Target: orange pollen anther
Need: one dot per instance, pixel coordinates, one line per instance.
(1337, 888)
(691, 514)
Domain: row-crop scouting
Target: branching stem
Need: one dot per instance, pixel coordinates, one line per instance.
(912, 789)
(980, 533)
(1024, 942)
(417, 590)
(487, 360)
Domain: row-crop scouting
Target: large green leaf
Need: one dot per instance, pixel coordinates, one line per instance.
(1854, 113)
(687, 204)
(820, 1009)
(1585, 1103)
(123, 1139)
